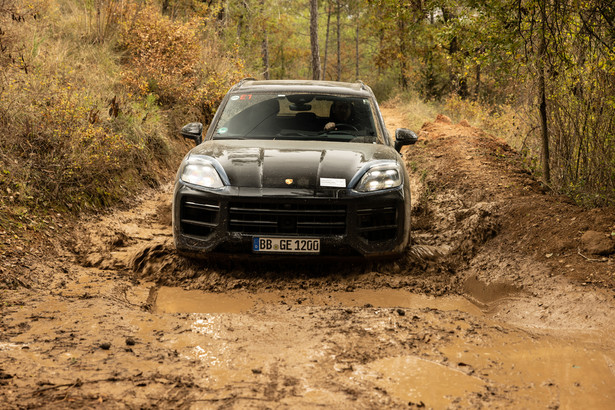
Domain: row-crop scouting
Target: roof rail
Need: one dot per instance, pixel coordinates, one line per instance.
(244, 80)
(363, 86)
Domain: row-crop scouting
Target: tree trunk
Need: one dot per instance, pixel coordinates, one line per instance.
(324, 66)
(265, 45)
(314, 39)
(339, 56)
(356, 49)
(544, 130)
(401, 25)
(266, 57)
(542, 89)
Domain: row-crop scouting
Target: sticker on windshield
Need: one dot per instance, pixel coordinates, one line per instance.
(333, 182)
(222, 130)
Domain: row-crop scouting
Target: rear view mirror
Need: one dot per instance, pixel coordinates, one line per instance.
(403, 137)
(193, 131)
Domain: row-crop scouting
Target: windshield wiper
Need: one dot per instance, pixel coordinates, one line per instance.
(291, 133)
(228, 137)
(336, 132)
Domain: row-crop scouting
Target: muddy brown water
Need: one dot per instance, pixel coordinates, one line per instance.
(458, 355)
(580, 368)
(177, 300)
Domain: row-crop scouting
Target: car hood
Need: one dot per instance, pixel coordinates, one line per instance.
(313, 165)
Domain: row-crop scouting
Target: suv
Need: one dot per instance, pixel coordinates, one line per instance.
(294, 168)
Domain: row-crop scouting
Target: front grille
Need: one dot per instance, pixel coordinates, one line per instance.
(378, 223)
(287, 218)
(198, 217)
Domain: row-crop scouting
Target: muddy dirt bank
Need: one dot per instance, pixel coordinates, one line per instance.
(505, 299)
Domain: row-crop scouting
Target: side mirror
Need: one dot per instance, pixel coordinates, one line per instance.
(403, 137)
(193, 131)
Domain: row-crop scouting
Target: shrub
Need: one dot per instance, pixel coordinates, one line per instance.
(82, 125)
(500, 120)
(72, 138)
(170, 60)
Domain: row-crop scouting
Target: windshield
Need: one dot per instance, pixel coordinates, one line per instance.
(298, 117)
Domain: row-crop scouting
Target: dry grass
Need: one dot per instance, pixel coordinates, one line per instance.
(502, 121)
(75, 135)
(505, 122)
(516, 126)
(415, 110)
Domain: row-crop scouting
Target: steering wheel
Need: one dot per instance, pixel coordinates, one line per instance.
(343, 125)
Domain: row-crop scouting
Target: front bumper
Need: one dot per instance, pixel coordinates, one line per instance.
(346, 222)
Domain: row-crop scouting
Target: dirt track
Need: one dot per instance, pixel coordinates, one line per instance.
(505, 299)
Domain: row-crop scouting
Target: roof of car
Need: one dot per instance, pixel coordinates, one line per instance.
(299, 86)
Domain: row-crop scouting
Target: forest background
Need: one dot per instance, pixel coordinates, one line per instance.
(93, 92)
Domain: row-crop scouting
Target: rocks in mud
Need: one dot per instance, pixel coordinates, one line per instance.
(597, 243)
(105, 345)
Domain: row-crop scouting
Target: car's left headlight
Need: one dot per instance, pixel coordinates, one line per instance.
(201, 173)
(380, 177)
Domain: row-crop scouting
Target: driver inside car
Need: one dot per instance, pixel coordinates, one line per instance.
(341, 113)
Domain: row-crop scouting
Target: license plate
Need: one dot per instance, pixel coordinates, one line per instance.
(288, 245)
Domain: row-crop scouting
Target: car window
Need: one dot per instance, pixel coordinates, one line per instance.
(298, 116)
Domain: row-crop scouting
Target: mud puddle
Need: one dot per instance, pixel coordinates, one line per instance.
(406, 377)
(545, 372)
(478, 298)
(569, 373)
(177, 300)
(414, 340)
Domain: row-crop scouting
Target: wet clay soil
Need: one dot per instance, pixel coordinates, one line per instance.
(505, 299)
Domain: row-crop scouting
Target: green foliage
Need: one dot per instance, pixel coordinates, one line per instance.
(577, 40)
(484, 59)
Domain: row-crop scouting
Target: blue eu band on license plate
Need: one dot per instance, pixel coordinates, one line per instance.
(286, 245)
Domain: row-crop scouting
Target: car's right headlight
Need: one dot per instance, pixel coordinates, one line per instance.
(382, 176)
(202, 173)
